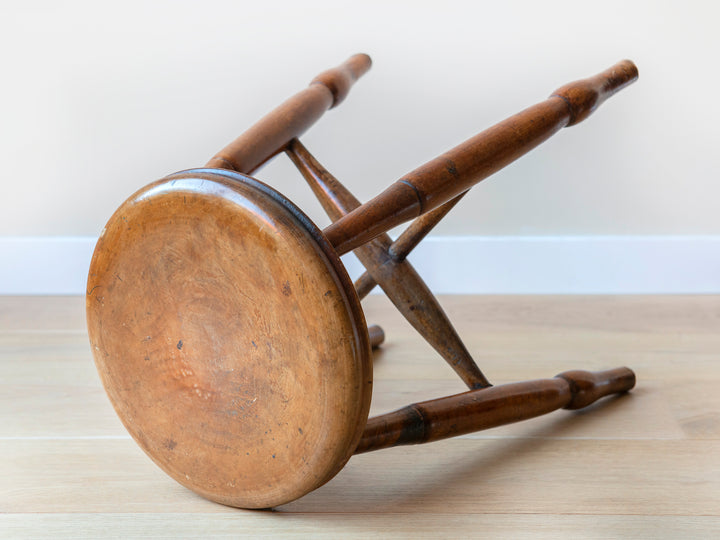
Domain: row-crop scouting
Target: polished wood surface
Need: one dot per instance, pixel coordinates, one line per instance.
(408, 240)
(643, 465)
(291, 119)
(229, 339)
(487, 408)
(457, 170)
(376, 335)
(397, 277)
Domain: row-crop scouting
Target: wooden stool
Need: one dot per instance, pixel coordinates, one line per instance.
(231, 340)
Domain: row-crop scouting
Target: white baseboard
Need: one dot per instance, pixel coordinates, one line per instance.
(44, 264)
(449, 264)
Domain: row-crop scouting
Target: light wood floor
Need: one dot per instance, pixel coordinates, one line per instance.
(645, 465)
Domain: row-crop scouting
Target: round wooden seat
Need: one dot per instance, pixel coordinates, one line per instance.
(229, 338)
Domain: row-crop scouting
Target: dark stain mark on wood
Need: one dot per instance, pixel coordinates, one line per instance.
(452, 169)
(179, 345)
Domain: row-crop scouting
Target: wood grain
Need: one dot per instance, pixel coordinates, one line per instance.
(331, 526)
(397, 277)
(645, 465)
(292, 118)
(213, 306)
(457, 170)
(485, 408)
(228, 335)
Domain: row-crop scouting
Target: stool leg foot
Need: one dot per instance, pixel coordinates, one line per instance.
(377, 335)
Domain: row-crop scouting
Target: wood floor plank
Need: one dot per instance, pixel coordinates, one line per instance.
(331, 526)
(530, 476)
(644, 465)
(42, 313)
(68, 410)
(50, 388)
(642, 313)
(459, 476)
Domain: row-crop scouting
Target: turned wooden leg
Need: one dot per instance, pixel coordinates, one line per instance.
(454, 172)
(377, 335)
(268, 136)
(491, 407)
(402, 284)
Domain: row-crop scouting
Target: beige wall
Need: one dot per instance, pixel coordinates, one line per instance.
(98, 99)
